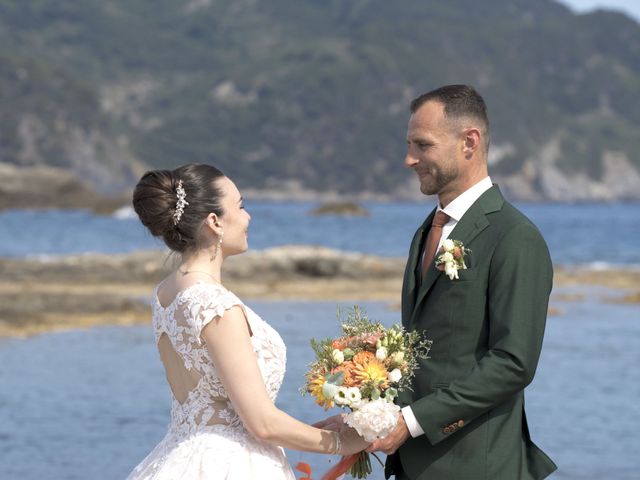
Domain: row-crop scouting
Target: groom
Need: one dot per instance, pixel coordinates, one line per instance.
(465, 418)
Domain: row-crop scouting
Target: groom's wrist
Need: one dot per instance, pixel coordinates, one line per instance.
(412, 423)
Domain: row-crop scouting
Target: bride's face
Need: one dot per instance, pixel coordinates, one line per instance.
(234, 221)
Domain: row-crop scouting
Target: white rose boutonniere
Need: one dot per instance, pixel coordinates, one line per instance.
(450, 257)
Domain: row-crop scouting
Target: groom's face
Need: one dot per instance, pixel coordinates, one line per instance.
(432, 149)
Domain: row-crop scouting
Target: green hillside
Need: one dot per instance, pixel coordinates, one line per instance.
(314, 91)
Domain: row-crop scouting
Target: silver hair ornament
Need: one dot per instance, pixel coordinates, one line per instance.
(180, 204)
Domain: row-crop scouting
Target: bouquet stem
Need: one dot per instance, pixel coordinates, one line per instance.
(362, 467)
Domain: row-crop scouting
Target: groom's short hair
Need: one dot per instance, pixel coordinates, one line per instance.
(459, 101)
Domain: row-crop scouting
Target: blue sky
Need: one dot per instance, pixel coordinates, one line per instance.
(630, 7)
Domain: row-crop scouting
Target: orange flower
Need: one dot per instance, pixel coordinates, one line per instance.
(315, 389)
(346, 368)
(363, 357)
(342, 343)
(368, 369)
(369, 339)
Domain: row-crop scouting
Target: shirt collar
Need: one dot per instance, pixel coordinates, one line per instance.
(459, 206)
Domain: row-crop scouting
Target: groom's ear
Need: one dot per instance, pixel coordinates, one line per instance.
(471, 141)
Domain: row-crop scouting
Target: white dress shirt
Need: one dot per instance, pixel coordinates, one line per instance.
(456, 209)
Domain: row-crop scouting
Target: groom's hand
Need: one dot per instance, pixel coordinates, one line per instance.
(392, 442)
(332, 423)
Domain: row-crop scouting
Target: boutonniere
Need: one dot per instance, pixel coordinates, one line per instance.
(450, 257)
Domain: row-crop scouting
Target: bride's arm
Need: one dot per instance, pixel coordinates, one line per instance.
(229, 346)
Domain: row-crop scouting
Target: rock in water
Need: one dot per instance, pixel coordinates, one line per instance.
(340, 208)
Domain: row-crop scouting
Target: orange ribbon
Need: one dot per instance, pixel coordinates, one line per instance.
(304, 468)
(341, 467)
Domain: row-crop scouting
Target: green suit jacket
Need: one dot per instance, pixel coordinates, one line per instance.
(487, 329)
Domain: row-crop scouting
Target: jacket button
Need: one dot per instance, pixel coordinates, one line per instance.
(460, 423)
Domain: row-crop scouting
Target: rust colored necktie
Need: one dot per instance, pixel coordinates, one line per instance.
(433, 239)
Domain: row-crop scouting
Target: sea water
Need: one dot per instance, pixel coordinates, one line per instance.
(581, 234)
(92, 403)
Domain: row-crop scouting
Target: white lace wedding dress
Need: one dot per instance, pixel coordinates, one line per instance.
(206, 439)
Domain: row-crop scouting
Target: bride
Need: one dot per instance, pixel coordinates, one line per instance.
(223, 363)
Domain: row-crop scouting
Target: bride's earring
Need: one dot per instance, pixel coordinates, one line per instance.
(218, 246)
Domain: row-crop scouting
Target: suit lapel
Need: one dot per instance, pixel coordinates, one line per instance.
(409, 284)
(470, 225)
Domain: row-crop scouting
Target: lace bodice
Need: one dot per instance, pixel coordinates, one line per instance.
(182, 322)
(206, 439)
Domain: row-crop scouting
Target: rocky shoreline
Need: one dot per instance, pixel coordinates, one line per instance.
(57, 293)
(40, 187)
(43, 187)
(38, 295)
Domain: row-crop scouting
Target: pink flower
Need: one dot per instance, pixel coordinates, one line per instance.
(371, 338)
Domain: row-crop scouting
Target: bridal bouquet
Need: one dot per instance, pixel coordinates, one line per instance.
(363, 371)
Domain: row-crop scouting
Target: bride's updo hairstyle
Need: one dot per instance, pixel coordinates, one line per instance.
(156, 201)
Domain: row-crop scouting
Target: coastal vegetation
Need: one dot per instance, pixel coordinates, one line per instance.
(312, 95)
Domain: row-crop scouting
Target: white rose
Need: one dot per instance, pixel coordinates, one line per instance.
(451, 270)
(374, 419)
(395, 375)
(381, 354)
(447, 257)
(448, 245)
(337, 356)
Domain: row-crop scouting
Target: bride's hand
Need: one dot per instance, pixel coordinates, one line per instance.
(333, 423)
(350, 441)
